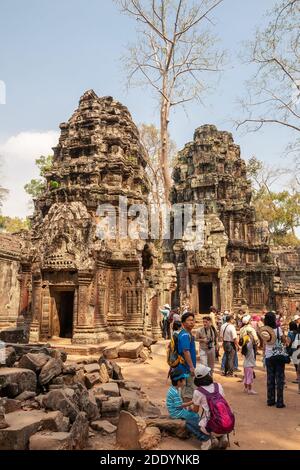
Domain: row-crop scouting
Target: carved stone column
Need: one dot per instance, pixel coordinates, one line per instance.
(45, 312)
(34, 333)
(84, 326)
(25, 283)
(115, 318)
(155, 317)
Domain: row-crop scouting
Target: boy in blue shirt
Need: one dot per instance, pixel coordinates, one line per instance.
(187, 349)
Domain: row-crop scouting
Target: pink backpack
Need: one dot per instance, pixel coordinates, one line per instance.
(221, 419)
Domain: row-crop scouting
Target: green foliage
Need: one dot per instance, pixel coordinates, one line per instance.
(281, 209)
(54, 184)
(36, 186)
(13, 224)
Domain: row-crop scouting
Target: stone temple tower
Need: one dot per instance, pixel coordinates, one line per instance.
(83, 287)
(234, 268)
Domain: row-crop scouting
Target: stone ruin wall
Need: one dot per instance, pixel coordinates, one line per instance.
(287, 279)
(9, 280)
(116, 293)
(235, 257)
(81, 286)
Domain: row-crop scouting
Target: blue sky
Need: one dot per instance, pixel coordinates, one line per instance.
(52, 51)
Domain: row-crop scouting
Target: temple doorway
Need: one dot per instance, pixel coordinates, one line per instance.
(62, 320)
(205, 291)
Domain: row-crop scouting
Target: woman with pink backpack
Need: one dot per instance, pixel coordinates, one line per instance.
(216, 417)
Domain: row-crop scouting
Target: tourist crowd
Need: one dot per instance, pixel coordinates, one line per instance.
(194, 395)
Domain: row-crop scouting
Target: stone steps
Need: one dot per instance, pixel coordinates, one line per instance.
(84, 349)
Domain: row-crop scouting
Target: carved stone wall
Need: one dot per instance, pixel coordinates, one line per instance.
(235, 251)
(10, 264)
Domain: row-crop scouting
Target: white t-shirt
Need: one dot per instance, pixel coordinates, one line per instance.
(228, 332)
(269, 347)
(200, 400)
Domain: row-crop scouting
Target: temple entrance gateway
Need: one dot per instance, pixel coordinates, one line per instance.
(205, 292)
(62, 313)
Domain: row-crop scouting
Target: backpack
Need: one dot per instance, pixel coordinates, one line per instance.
(279, 354)
(173, 357)
(221, 419)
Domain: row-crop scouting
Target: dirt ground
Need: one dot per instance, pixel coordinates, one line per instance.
(257, 425)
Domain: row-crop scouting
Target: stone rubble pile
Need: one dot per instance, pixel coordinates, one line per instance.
(50, 403)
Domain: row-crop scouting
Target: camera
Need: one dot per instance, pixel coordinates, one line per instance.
(210, 344)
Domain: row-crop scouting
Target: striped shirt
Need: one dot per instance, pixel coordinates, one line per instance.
(174, 402)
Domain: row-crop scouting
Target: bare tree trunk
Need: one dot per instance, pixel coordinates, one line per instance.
(164, 122)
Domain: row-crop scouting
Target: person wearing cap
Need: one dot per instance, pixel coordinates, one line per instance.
(165, 311)
(204, 379)
(270, 333)
(187, 349)
(178, 410)
(247, 328)
(230, 344)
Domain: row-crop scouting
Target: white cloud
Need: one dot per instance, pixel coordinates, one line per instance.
(19, 153)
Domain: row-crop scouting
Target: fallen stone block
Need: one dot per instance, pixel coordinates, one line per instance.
(49, 440)
(90, 368)
(117, 372)
(150, 438)
(50, 370)
(34, 362)
(85, 401)
(111, 407)
(132, 386)
(147, 409)
(131, 350)
(16, 381)
(62, 400)
(54, 421)
(70, 369)
(3, 422)
(92, 379)
(104, 377)
(25, 396)
(129, 431)
(11, 405)
(147, 341)
(127, 396)
(10, 356)
(112, 351)
(22, 425)
(174, 427)
(80, 432)
(144, 354)
(111, 389)
(105, 427)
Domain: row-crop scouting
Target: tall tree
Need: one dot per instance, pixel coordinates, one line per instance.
(150, 138)
(174, 52)
(274, 90)
(281, 209)
(35, 187)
